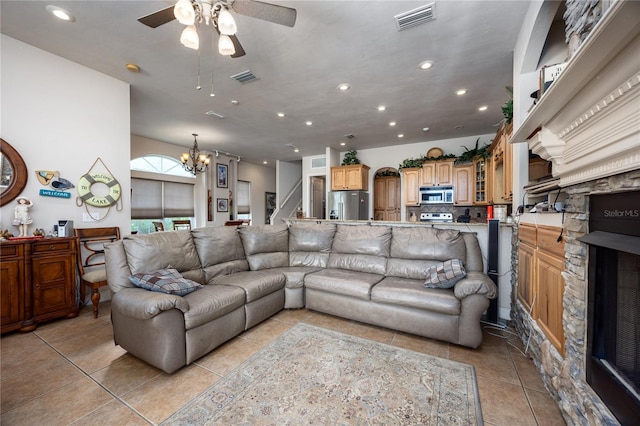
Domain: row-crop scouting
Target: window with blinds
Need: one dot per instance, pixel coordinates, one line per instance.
(156, 199)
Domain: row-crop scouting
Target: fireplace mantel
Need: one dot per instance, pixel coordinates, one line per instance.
(588, 122)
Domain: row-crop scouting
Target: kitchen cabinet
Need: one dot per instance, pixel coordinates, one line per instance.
(502, 163)
(437, 173)
(38, 281)
(350, 177)
(540, 282)
(481, 182)
(463, 183)
(411, 182)
(386, 196)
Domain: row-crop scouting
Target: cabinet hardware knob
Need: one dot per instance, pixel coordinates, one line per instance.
(51, 247)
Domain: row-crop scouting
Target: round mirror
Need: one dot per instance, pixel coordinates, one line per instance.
(13, 173)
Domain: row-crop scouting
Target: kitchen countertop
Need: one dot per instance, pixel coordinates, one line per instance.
(383, 222)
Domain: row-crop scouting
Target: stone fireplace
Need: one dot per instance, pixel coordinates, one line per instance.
(588, 125)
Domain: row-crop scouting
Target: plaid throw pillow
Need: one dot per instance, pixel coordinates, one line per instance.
(445, 274)
(165, 281)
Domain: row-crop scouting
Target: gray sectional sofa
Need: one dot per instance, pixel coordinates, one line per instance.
(365, 272)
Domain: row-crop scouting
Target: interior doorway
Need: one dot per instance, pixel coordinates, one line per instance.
(318, 197)
(386, 194)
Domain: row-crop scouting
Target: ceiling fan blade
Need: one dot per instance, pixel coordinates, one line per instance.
(158, 18)
(236, 44)
(266, 11)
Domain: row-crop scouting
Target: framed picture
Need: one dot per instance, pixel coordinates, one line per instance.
(222, 170)
(269, 206)
(223, 204)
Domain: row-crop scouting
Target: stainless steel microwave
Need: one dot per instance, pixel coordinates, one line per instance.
(436, 195)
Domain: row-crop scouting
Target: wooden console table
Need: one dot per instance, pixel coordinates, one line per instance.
(37, 281)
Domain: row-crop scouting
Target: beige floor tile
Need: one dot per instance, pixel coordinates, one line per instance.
(162, 396)
(528, 373)
(327, 321)
(291, 316)
(60, 406)
(228, 356)
(92, 358)
(504, 404)
(18, 347)
(29, 384)
(488, 361)
(545, 408)
(421, 344)
(114, 413)
(371, 332)
(66, 328)
(125, 375)
(84, 338)
(266, 331)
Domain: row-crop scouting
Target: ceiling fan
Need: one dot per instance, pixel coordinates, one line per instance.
(216, 13)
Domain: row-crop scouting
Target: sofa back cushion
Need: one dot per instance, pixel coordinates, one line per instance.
(362, 248)
(416, 248)
(473, 261)
(310, 244)
(220, 251)
(265, 246)
(150, 252)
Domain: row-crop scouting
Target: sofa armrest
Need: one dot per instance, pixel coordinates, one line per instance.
(144, 304)
(475, 283)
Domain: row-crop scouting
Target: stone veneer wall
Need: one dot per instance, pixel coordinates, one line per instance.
(579, 19)
(565, 377)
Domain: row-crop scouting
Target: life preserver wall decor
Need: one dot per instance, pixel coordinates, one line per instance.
(87, 197)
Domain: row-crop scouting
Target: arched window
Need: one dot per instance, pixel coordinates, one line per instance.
(160, 164)
(161, 191)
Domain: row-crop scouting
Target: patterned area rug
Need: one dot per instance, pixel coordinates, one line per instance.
(310, 375)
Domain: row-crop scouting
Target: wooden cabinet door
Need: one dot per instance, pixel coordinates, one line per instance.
(353, 178)
(379, 194)
(463, 185)
(393, 198)
(338, 179)
(548, 273)
(507, 175)
(411, 181)
(444, 173)
(53, 284)
(11, 297)
(480, 182)
(526, 276)
(428, 174)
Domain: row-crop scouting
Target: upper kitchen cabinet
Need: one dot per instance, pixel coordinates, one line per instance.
(351, 177)
(437, 173)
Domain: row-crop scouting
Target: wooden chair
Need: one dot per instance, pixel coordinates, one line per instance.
(91, 260)
(158, 226)
(181, 224)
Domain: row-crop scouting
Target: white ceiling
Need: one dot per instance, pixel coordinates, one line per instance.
(470, 43)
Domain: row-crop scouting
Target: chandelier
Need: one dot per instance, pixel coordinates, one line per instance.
(190, 12)
(194, 161)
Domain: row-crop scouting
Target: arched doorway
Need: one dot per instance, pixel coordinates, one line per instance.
(386, 194)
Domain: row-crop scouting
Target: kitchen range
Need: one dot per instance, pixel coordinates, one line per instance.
(436, 217)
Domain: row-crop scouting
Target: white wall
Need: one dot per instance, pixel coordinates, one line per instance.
(263, 179)
(62, 116)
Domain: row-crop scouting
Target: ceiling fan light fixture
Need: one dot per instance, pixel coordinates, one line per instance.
(226, 23)
(189, 38)
(225, 45)
(184, 12)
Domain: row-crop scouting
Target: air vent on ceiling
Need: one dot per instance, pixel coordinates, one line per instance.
(414, 17)
(350, 136)
(245, 77)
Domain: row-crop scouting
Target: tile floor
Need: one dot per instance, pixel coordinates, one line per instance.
(70, 372)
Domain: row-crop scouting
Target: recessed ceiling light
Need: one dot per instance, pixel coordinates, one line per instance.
(61, 14)
(343, 87)
(425, 65)
(459, 126)
(483, 108)
(343, 143)
(281, 114)
(309, 123)
(265, 162)
(234, 102)
(382, 108)
(296, 150)
(401, 135)
(461, 92)
(392, 123)
(425, 129)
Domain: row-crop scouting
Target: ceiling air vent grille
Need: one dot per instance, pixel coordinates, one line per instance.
(245, 77)
(414, 17)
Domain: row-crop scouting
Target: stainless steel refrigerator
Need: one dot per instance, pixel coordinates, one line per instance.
(349, 205)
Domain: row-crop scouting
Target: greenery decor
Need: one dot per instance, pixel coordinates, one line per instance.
(387, 172)
(350, 158)
(507, 108)
(471, 154)
(417, 162)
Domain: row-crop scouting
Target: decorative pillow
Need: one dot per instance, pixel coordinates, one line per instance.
(445, 274)
(166, 280)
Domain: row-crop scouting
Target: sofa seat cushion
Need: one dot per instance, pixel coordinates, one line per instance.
(295, 274)
(256, 284)
(413, 293)
(212, 302)
(342, 281)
